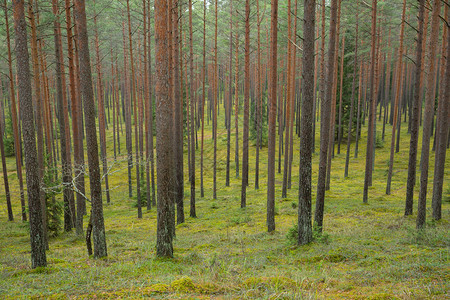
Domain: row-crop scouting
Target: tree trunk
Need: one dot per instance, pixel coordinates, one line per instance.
(442, 125)
(415, 114)
(428, 114)
(75, 122)
(127, 112)
(101, 109)
(14, 116)
(396, 100)
(192, 102)
(202, 189)
(136, 130)
(236, 102)
(216, 106)
(306, 126)
(229, 96)
(246, 107)
(5, 175)
(352, 104)
(63, 118)
(98, 226)
(372, 102)
(164, 133)
(272, 118)
(340, 96)
(178, 124)
(38, 256)
(150, 112)
(38, 103)
(325, 122)
(289, 98)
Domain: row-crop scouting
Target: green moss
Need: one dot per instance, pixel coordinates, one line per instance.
(184, 285)
(156, 289)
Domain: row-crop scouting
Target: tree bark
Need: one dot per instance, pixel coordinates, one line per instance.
(325, 123)
(428, 114)
(5, 175)
(396, 100)
(14, 116)
(101, 108)
(443, 126)
(352, 104)
(63, 118)
(38, 103)
(38, 256)
(98, 226)
(415, 114)
(272, 118)
(246, 107)
(164, 132)
(372, 103)
(306, 126)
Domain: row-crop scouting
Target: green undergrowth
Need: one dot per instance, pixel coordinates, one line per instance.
(367, 251)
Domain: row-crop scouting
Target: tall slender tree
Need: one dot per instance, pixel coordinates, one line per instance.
(164, 134)
(443, 126)
(236, 102)
(38, 112)
(428, 113)
(352, 102)
(272, 118)
(372, 102)
(306, 126)
(415, 113)
(14, 116)
(38, 256)
(325, 122)
(396, 99)
(98, 224)
(289, 98)
(5, 174)
(230, 91)
(149, 104)
(75, 110)
(192, 101)
(215, 102)
(246, 106)
(202, 189)
(101, 108)
(177, 116)
(66, 161)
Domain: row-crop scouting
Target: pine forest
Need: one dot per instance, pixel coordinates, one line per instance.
(225, 149)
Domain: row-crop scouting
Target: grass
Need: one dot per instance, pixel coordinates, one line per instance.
(366, 252)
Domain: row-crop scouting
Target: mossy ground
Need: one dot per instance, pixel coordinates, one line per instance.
(368, 251)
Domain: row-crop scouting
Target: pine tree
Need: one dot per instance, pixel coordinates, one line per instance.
(306, 127)
(272, 118)
(38, 256)
(98, 226)
(164, 133)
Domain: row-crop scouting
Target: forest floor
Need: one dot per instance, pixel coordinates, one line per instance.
(367, 251)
